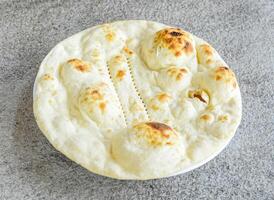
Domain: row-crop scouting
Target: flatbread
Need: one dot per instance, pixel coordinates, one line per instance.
(136, 100)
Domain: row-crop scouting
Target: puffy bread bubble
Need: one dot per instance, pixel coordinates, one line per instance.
(169, 46)
(99, 104)
(174, 79)
(111, 39)
(220, 129)
(208, 57)
(75, 72)
(47, 81)
(150, 147)
(160, 104)
(220, 83)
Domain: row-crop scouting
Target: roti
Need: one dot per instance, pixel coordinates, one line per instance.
(136, 100)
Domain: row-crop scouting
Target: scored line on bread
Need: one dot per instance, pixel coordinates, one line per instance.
(135, 86)
(118, 97)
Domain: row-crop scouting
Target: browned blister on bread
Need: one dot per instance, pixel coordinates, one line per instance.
(80, 65)
(156, 134)
(148, 141)
(170, 46)
(207, 56)
(220, 83)
(174, 39)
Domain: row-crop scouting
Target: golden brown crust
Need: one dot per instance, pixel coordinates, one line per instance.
(93, 97)
(79, 65)
(156, 134)
(110, 36)
(118, 58)
(207, 49)
(177, 73)
(205, 54)
(96, 95)
(199, 94)
(163, 97)
(121, 74)
(175, 39)
(128, 51)
(226, 75)
(208, 118)
(205, 117)
(102, 106)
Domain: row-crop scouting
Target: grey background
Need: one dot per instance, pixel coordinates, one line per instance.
(243, 33)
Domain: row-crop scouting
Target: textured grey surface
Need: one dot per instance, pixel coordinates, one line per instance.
(243, 33)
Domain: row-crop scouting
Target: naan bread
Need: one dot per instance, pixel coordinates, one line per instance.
(136, 100)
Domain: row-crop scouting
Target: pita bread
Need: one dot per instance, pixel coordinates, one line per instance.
(136, 100)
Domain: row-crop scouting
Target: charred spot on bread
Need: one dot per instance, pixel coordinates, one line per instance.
(199, 94)
(158, 126)
(175, 33)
